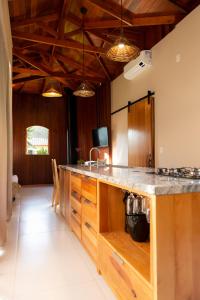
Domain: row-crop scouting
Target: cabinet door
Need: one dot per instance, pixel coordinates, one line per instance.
(89, 238)
(76, 183)
(141, 134)
(67, 195)
(120, 276)
(75, 223)
(89, 188)
(89, 211)
(62, 191)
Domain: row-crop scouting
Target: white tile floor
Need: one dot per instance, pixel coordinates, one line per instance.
(42, 259)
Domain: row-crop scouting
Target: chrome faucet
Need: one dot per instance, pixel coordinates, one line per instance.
(90, 155)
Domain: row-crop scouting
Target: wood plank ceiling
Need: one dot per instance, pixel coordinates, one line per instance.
(47, 37)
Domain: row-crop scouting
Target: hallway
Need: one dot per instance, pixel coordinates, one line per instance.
(43, 260)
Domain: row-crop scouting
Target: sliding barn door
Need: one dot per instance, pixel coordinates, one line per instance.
(141, 134)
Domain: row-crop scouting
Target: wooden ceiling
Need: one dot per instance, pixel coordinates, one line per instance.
(47, 37)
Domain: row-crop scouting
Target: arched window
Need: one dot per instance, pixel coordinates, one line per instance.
(37, 140)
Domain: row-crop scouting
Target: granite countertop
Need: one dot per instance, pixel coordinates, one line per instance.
(142, 179)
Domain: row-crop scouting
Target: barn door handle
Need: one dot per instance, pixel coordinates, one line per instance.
(149, 160)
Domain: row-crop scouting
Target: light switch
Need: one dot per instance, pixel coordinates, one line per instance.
(161, 150)
(178, 57)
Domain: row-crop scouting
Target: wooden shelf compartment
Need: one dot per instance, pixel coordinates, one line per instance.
(112, 230)
(137, 255)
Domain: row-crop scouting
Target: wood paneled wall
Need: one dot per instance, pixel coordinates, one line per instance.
(91, 113)
(29, 110)
(86, 121)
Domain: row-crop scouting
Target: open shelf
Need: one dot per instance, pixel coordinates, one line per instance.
(112, 230)
(134, 253)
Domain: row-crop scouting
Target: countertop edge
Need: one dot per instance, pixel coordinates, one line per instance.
(149, 189)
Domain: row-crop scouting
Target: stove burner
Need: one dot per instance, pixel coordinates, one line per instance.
(191, 173)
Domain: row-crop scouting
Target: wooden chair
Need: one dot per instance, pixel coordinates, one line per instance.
(56, 185)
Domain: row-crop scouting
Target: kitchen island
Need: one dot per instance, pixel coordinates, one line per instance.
(165, 267)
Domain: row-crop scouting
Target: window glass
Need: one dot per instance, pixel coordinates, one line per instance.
(37, 140)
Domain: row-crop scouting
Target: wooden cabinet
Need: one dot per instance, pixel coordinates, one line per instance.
(125, 264)
(89, 188)
(89, 238)
(76, 183)
(75, 203)
(64, 181)
(89, 210)
(75, 223)
(164, 267)
(89, 227)
(125, 282)
(83, 199)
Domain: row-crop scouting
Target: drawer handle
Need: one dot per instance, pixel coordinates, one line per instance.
(88, 225)
(86, 201)
(134, 294)
(117, 258)
(74, 194)
(74, 211)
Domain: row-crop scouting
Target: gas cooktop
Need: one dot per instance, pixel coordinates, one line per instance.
(191, 173)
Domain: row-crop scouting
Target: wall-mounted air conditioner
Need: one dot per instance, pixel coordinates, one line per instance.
(138, 65)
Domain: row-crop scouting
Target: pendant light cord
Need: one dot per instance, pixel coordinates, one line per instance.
(121, 27)
(83, 49)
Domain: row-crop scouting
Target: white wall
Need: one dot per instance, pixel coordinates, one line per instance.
(5, 119)
(177, 98)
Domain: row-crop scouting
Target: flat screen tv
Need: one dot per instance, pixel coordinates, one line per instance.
(100, 137)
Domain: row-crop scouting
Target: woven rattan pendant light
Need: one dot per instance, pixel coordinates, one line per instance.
(52, 89)
(122, 50)
(84, 90)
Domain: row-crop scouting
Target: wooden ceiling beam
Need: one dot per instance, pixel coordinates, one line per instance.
(47, 72)
(72, 63)
(72, 33)
(180, 4)
(27, 71)
(30, 61)
(138, 21)
(114, 10)
(132, 19)
(61, 65)
(60, 76)
(47, 29)
(57, 42)
(22, 75)
(187, 7)
(33, 78)
(99, 59)
(73, 19)
(28, 78)
(61, 23)
(30, 21)
(101, 36)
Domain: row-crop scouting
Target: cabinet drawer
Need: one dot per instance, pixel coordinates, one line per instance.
(89, 188)
(89, 211)
(120, 276)
(75, 224)
(76, 215)
(76, 205)
(89, 239)
(76, 183)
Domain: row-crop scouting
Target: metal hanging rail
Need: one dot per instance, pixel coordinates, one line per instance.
(149, 94)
